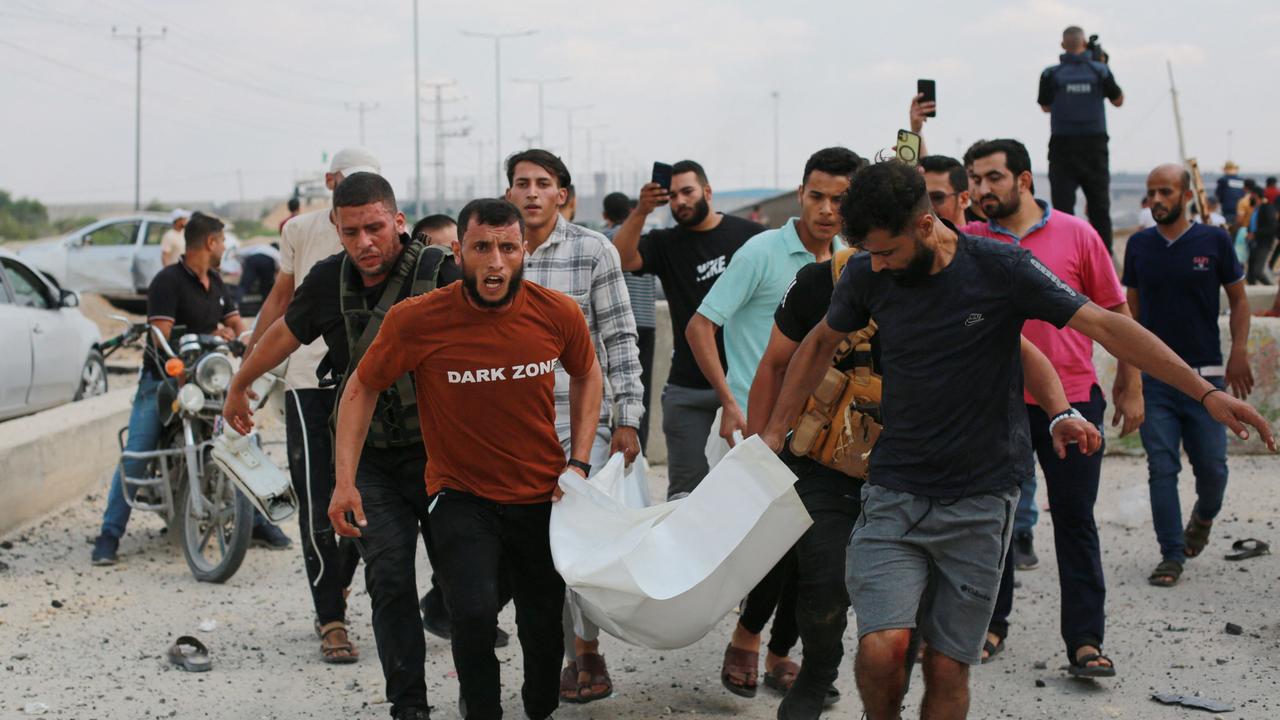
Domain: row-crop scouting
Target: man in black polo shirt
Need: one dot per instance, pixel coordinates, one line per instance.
(1173, 273)
(687, 259)
(190, 296)
(339, 291)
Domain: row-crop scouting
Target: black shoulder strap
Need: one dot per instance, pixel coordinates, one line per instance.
(407, 263)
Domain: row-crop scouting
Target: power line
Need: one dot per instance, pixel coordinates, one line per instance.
(139, 39)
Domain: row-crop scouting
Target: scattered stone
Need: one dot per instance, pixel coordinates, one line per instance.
(1234, 629)
(20, 656)
(1040, 683)
(35, 708)
(7, 545)
(56, 603)
(208, 625)
(1040, 665)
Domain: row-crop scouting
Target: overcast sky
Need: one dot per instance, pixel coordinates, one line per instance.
(257, 91)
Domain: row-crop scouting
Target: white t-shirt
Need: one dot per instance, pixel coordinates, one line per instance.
(304, 241)
(172, 245)
(1146, 219)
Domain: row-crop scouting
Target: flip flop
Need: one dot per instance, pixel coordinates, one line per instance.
(743, 663)
(1080, 668)
(782, 676)
(593, 664)
(569, 683)
(1248, 548)
(992, 650)
(331, 652)
(1166, 574)
(190, 654)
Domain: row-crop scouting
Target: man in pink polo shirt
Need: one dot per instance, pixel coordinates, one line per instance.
(1001, 183)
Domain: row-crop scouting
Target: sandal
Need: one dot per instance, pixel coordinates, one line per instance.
(992, 650)
(1166, 574)
(190, 654)
(741, 663)
(1196, 536)
(1248, 548)
(336, 653)
(598, 675)
(1080, 667)
(569, 683)
(782, 676)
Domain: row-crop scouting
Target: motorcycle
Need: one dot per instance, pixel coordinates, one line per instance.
(199, 500)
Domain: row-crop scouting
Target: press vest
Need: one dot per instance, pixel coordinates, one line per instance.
(395, 416)
(1078, 101)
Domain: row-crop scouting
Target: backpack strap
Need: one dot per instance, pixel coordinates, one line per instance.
(839, 259)
(408, 262)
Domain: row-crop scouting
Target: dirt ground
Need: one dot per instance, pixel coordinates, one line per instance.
(90, 642)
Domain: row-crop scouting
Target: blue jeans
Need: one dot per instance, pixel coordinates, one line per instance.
(1028, 514)
(1174, 418)
(143, 436)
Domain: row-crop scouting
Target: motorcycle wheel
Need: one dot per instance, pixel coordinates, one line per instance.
(214, 544)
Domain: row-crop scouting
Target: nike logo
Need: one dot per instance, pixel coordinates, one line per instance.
(973, 319)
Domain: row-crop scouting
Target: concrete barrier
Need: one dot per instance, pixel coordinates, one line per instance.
(1261, 298)
(656, 452)
(52, 457)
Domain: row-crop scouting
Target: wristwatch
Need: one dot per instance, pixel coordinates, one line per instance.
(584, 467)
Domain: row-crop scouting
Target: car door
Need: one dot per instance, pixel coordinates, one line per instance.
(56, 359)
(102, 260)
(15, 360)
(147, 262)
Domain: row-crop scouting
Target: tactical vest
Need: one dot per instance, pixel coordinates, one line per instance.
(1078, 101)
(840, 422)
(395, 416)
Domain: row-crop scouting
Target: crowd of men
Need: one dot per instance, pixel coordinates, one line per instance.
(492, 354)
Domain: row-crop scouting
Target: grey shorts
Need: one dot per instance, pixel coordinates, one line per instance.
(929, 563)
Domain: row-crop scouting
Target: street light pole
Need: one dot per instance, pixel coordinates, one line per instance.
(497, 39)
(417, 120)
(569, 110)
(775, 139)
(542, 138)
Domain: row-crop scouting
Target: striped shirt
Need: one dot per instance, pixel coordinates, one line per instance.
(642, 293)
(584, 265)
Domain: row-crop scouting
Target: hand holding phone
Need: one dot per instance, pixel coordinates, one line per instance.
(908, 147)
(662, 177)
(928, 92)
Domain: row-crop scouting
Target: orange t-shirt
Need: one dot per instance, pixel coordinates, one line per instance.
(485, 386)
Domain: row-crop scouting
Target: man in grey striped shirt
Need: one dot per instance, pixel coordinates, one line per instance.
(585, 266)
(617, 206)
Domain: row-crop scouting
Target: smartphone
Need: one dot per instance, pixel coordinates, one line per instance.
(929, 90)
(662, 176)
(908, 147)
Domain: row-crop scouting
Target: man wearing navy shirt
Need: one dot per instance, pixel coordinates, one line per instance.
(1172, 273)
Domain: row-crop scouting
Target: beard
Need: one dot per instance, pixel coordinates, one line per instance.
(700, 211)
(1004, 206)
(917, 270)
(1168, 216)
(473, 289)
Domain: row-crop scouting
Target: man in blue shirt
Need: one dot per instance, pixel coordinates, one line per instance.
(1072, 92)
(743, 302)
(1229, 191)
(1172, 273)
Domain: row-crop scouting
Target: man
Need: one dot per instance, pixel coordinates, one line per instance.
(330, 563)
(340, 299)
(190, 295)
(294, 206)
(1215, 212)
(687, 259)
(927, 550)
(487, 406)
(1263, 224)
(437, 230)
(1271, 191)
(1072, 92)
(172, 242)
(1000, 178)
(641, 290)
(1172, 274)
(740, 308)
(259, 265)
(1229, 192)
(582, 264)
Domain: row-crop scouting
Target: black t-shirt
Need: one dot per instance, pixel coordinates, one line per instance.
(316, 308)
(955, 423)
(688, 264)
(176, 294)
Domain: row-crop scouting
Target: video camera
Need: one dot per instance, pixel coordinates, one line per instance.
(1094, 48)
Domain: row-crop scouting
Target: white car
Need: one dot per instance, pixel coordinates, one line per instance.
(115, 258)
(51, 354)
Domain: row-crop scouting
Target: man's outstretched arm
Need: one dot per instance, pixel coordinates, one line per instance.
(804, 372)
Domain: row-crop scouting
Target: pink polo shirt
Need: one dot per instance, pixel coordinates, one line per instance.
(1072, 249)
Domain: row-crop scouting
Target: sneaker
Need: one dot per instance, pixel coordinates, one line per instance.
(104, 550)
(271, 537)
(1024, 552)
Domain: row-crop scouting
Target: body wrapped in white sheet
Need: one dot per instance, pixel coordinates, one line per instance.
(663, 576)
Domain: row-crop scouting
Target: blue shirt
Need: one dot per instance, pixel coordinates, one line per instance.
(1177, 286)
(1074, 91)
(745, 297)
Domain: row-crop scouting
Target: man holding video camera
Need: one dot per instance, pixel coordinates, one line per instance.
(1072, 92)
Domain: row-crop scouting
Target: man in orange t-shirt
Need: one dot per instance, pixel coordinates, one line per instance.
(483, 354)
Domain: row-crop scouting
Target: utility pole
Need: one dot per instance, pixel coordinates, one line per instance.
(441, 134)
(776, 182)
(361, 108)
(1177, 114)
(542, 138)
(479, 146)
(589, 128)
(139, 39)
(497, 39)
(569, 110)
(417, 121)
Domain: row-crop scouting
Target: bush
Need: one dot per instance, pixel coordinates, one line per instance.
(22, 219)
